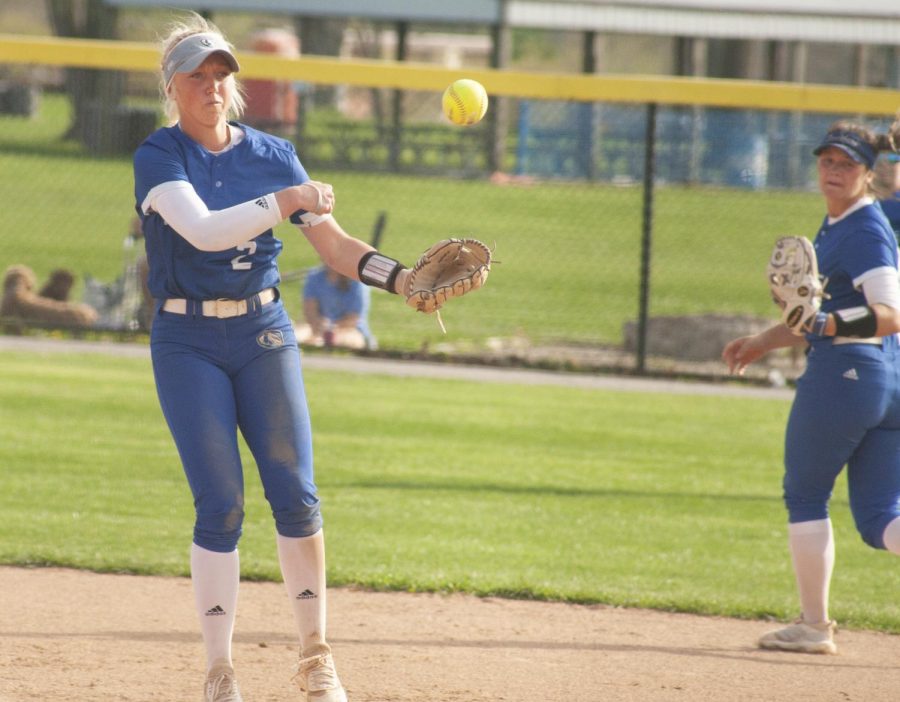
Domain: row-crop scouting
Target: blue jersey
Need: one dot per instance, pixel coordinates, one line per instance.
(891, 208)
(260, 164)
(846, 409)
(849, 248)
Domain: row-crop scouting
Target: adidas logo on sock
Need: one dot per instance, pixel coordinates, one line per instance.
(216, 611)
(307, 595)
(262, 203)
(851, 374)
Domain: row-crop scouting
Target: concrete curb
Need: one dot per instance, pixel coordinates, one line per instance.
(446, 371)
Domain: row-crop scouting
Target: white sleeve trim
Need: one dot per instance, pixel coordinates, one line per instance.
(218, 230)
(880, 285)
(309, 219)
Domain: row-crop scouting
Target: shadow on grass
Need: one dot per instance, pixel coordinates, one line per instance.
(550, 490)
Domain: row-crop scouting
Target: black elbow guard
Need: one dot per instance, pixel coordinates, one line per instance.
(859, 322)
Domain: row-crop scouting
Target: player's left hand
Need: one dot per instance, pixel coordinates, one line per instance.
(793, 275)
(450, 268)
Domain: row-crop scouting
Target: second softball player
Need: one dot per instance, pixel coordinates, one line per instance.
(846, 410)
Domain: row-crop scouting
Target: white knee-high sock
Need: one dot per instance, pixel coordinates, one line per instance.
(891, 536)
(812, 552)
(216, 578)
(303, 569)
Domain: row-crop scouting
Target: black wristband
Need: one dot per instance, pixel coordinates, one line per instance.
(857, 322)
(379, 271)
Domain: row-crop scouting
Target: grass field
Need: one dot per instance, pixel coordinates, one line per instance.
(569, 252)
(633, 499)
(669, 502)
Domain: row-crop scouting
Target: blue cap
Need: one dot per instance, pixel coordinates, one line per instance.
(190, 52)
(851, 144)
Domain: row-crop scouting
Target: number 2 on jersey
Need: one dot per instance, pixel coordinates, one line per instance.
(239, 265)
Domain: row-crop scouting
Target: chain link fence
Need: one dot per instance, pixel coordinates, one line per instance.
(598, 256)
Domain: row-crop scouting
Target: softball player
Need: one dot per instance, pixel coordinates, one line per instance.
(225, 357)
(887, 180)
(846, 410)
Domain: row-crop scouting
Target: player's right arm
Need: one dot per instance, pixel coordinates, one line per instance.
(741, 352)
(219, 230)
(163, 186)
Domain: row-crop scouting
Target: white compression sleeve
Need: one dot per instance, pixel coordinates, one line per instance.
(218, 230)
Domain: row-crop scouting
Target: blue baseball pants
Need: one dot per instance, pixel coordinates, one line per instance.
(846, 411)
(217, 376)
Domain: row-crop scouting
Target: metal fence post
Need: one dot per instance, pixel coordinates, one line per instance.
(396, 140)
(647, 235)
(496, 133)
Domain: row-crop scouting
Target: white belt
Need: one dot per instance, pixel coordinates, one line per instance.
(223, 309)
(840, 340)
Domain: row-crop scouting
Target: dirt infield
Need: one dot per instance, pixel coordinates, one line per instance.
(71, 635)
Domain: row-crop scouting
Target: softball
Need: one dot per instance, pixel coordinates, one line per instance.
(465, 102)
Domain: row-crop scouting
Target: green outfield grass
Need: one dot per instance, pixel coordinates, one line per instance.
(632, 499)
(568, 252)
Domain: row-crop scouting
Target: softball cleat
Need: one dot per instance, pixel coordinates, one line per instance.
(221, 685)
(318, 680)
(802, 637)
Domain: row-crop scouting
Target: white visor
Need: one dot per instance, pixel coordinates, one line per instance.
(193, 50)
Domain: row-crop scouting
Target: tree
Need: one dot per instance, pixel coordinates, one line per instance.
(320, 36)
(95, 94)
